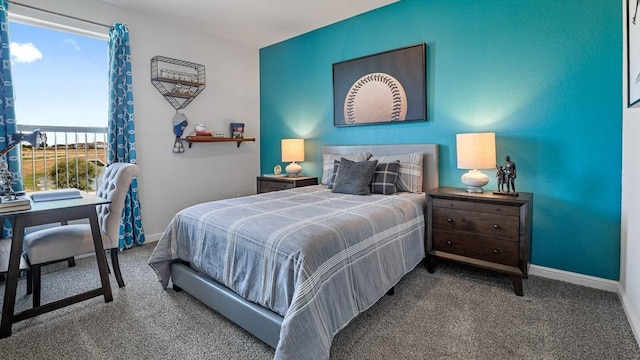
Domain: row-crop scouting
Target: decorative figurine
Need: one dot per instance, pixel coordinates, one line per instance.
(179, 124)
(277, 170)
(6, 182)
(500, 176)
(506, 176)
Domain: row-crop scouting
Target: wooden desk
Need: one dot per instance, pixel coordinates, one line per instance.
(45, 213)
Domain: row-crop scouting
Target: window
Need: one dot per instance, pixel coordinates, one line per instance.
(60, 81)
(60, 78)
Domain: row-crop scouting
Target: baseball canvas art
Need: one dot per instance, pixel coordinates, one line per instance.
(381, 88)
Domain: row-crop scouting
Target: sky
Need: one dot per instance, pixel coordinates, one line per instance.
(59, 78)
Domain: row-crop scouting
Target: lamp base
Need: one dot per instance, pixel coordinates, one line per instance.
(293, 169)
(474, 189)
(474, 181)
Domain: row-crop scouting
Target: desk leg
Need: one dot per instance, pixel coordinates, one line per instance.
(100, 256)
(13, 274)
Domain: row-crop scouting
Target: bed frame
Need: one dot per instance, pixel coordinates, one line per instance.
(261, 322)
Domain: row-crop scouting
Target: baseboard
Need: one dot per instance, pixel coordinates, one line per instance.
(152, 238)
(632, 316)
(574, 278)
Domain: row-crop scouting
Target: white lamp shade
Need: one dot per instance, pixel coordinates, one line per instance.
(292, 150)
(476, 150)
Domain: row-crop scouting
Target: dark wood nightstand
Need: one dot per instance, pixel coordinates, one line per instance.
(480, 229)
(268, 183)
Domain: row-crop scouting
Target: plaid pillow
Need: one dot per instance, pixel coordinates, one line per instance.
(384, 178)
(336, 165)
(410, 173)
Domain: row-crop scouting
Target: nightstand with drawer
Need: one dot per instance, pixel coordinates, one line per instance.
(271, 183)
(480, 229)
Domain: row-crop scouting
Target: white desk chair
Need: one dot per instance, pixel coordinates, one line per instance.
(59, 243)
(5, 249)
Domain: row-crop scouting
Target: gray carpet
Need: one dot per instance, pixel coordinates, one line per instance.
(456, 313)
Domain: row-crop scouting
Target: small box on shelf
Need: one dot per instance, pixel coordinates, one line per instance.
(236, 130)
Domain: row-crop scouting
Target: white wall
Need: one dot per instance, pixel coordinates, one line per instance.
(630, 222)
(207, 171)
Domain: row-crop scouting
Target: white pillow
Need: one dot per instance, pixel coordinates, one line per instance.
(410, 172)
(327, 163)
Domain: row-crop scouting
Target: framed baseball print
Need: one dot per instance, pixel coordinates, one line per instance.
(386, 87)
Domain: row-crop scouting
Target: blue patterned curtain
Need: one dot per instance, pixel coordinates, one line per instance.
(122, 134)
(7, 112)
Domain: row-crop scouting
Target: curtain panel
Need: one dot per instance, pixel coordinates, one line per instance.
(121, 136)
(8, 125)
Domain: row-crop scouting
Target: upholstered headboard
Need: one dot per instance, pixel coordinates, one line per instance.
(430, 175)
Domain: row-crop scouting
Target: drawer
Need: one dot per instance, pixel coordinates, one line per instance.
(306, 182)
(492, 225)
(477, 207)
(477, 247)
(268, 186)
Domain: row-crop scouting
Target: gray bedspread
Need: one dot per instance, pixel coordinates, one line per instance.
(315, 257)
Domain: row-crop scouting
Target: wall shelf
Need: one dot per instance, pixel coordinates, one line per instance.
(195, 139)
(178, 81)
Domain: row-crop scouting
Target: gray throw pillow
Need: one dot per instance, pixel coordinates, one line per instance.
(354, 177)
(327, 163)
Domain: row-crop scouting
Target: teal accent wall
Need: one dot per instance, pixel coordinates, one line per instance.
(544, 75)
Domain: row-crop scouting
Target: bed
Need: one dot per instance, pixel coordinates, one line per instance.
(294, 267)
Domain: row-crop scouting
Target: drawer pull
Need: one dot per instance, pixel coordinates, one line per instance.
(498, 209)
(449, 220)
(450, 204)
(496, 226)
(449, 242)
(495, 251)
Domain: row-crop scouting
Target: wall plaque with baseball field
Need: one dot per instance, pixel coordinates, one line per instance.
(386, 87)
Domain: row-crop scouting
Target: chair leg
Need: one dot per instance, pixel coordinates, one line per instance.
(29, 281)
(71, 261)
(35, 273)
(105, 260)
(116, 267)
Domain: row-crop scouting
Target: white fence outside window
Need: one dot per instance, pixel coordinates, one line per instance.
(73, 157)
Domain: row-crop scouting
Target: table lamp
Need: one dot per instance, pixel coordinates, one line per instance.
(292, 151)
(476, 151)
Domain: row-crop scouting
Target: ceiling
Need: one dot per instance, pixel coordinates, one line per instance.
(255, 23)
